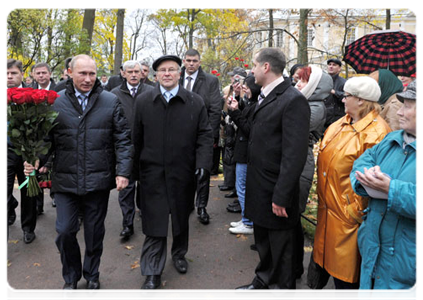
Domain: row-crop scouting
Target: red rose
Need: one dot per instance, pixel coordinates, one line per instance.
(218, 74)
(246, 65)
(9, 96)
(20, 97)
(214, 72)
(39, 96)
(51, 97)
(241, 59)
(236, 58)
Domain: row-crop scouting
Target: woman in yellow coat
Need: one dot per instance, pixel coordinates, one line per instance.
(340, 209)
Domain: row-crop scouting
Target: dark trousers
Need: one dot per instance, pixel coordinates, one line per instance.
(229, 174)
(154, 252)
(216, 160)
(127, 204)
(28, 204)
(299, 268)
(276, 249)
(94, 208)
(345, 290)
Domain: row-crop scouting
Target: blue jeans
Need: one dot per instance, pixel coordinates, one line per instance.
(241, 179)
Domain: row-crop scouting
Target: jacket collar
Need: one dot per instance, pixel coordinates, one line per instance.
(182, 94)
(362, 123)
(274, 94)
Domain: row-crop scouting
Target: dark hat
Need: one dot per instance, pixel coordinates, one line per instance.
(238, 71)
(409, 93)
(334, 60)
(163, 58)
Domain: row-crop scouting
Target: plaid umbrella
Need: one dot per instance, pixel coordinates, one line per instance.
(392, 50)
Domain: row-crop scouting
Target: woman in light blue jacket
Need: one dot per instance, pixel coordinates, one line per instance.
(387, 174)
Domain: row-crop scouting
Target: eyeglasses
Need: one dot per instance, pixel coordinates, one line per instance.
(347, 95)
(171, 70)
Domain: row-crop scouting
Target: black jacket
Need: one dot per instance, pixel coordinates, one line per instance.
(91, 147)
(242, 119)
(171, 140)
(52, 85)
(277, 152)
(114, 81)
(207, 86)
(127, 101)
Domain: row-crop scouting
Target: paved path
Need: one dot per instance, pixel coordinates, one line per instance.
(218, 260)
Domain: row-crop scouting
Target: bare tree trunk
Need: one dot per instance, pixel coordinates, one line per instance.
(388, 19)
(302, 57)
(119, 41)
(270, 42)
(88, 26)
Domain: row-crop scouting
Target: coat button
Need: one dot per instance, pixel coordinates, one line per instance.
(324, 174)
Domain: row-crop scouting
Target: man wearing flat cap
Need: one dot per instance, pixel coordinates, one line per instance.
(335, 108)
(173, 144)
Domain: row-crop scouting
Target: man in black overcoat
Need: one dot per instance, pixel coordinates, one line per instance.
(173, 141)
(277, 151)
(194, 79)
(127, 93)
(92, 155)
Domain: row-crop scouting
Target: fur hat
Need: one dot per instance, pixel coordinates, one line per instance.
(363, 87)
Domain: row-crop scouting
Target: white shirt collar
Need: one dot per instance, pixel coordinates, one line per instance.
(266, 91)
(130, 87)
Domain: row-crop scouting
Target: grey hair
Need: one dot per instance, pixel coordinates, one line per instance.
(131, 64)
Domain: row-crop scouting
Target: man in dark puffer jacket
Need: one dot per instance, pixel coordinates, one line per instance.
(93, 154)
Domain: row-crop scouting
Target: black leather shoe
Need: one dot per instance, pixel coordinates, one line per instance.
(250, 289)
(234, 209)
(93, 284)
(232, 194)
(127, 231)
(255, 285)
(181, 265)
(69, 291)
(234, 204)
(11, 217)
(203, 216)
(151, 282)
(28, 237)
(225, 188)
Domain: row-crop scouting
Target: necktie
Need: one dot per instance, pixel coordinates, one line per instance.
(188, 87)
(261, 97)
(83, 101)
(134, 90)
(168, 96)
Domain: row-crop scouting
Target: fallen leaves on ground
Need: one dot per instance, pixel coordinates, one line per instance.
(135, 265)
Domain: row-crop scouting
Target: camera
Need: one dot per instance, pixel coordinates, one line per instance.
(238, 78)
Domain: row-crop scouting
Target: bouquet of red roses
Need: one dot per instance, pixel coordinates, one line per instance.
(30, 118)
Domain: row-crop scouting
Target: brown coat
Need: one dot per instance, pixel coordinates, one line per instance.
(389, 112)
(339, 209)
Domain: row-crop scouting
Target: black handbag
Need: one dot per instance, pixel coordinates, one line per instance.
(317, 277)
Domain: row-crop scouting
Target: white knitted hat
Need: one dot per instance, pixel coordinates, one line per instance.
(363, 87)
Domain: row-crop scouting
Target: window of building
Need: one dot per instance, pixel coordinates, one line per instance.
(279, 38)
(350, 35)
(310, 37)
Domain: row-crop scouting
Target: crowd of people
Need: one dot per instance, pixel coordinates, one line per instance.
(159, 142)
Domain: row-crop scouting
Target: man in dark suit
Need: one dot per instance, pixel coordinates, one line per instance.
(42, 77)
(15, 169)
(93, 154)
(145, 69)
(127, 93)
(335, 108)
(194, 79)
(173, 141)
(277, 152)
